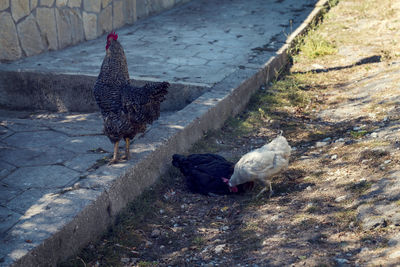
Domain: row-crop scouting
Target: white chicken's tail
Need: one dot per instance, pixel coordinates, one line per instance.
(279, 144)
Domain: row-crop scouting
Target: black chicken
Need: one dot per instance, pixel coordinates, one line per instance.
(207, 173)
(126, 109)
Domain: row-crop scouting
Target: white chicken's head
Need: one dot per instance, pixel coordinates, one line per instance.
(234, 180)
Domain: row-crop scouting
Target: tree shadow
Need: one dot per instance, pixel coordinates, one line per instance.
(367, 60)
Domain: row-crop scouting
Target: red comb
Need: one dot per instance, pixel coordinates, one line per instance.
(112, 35)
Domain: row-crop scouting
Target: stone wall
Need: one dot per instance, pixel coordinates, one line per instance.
(30, 27)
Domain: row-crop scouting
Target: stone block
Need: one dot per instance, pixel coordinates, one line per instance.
(46, 19)
(4, 4)
(92, 5)
(105, 3)
(64, 30)
(32, 201)
(19, 9)
(29, 36)
(6, 169)
(9, 45)
(48, 3)
(12, 218)
(74, 3)
(141, 9)
(33, 4)
(118, 14)
(75, 17)
(156, 6)
(8, 193)
(167, 4)
(90, 25)
(28, 177)
(61, 3)
(130, 11)
(82, 162)
(35, 140)
(105, 20)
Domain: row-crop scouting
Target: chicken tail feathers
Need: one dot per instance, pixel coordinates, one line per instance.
(157, 95)
(158, 91)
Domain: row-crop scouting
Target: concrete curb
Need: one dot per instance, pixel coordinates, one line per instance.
(110, 188)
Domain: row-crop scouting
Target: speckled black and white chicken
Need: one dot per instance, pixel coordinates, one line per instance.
(262, 163)
(126, 109)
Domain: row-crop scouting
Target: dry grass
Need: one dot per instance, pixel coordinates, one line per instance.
(325, 94)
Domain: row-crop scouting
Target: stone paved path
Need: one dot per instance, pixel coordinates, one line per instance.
(200, 42)
(45, 158)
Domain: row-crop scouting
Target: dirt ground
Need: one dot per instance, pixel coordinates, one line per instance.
(337, 205)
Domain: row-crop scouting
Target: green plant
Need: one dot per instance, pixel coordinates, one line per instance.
(358, 134)
(315, 45)
(198, 241)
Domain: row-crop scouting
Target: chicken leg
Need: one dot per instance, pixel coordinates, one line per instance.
(115, 156)
(271, 192)
(127, 143)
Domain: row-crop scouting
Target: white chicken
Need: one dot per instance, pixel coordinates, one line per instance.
(261, 164)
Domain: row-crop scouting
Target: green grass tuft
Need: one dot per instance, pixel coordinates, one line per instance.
(315, 45)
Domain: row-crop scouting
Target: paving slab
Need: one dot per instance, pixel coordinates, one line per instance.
(57, 192)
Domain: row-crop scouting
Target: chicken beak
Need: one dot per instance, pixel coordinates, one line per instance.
(233, 189)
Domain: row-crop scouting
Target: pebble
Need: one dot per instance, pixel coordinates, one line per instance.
(340, 199)
(395, 254)
(318, 66)
(162, 247)
(334, 157)
(387, 161)
(310, 205)
(374, 135)
(327, 139)
(357, 128)
(155, 233)
(341, 261)
(225, 228)
(125, 260)
(339, 140)
(218, 249)
(321, 144)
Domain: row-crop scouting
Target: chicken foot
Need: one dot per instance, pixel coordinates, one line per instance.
(271, 192)
(115, 156)
(127, 154)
